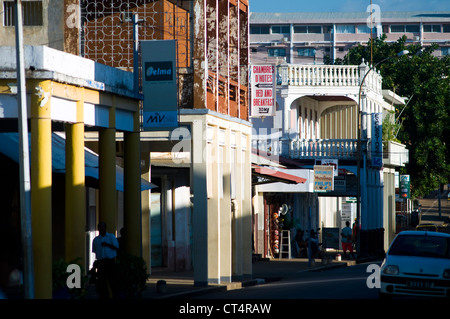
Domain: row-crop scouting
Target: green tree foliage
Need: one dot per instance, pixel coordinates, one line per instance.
(422, 77)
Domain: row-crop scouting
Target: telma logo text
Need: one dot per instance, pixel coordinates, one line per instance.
(158, 71)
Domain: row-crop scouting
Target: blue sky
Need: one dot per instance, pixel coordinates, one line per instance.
(346, 5)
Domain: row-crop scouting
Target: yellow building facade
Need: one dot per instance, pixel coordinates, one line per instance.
(69, 92)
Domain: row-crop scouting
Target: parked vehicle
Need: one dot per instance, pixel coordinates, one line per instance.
(417, 264)
(427, 227)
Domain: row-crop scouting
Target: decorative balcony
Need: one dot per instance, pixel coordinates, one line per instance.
(328, 76)
(309, 149)
(324, 83)
(395, 154)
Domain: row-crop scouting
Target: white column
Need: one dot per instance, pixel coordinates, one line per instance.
(200, 209)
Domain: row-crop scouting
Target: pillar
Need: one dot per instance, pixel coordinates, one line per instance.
(75, 218)
(213, 178)
(41, 186)
(145, 211)
(107, 175)
(132, 190)
(225, 207)
(237, 210)
(200, 209)
(247, 208)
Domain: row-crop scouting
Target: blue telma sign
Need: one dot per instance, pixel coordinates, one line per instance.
(160, 107)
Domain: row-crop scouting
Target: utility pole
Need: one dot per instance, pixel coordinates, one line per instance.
(24, 159)
(136, 51)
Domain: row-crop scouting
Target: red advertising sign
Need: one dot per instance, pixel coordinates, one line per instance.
(262, 90)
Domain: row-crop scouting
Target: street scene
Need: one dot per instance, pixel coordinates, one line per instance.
(223, 158)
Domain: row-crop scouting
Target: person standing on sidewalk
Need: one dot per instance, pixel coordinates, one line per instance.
(346, 239)
(105, 247)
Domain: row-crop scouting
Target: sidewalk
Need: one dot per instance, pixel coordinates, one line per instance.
(181, 284)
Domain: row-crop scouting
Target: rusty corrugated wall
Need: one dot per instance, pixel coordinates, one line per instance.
(212, 45)
(220, 57)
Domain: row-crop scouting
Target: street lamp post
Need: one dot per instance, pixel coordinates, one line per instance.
(360, 154)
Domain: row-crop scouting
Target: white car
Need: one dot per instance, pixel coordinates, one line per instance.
(417, 264)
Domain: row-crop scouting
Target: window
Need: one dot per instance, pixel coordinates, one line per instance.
(259, 30)
(273, 52)
(306, 52)
(365, 29)
(446, 28)
(445, 51)
(421, 246)
(432, 28)
(31, 11)
(401, 28)
(314, 29)
(301, 29)
(397, 28)
(345, 28)
(317, 29)
(415, 28)
(327, 29)
(280, 29)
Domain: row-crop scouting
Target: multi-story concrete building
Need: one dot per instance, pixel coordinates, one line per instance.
(309, 37)
(318, 112)
(200, 214)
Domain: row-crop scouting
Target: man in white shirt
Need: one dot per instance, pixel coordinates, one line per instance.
(105, 247)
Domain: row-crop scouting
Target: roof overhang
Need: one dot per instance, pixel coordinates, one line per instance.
(268, 175)
(9, 146)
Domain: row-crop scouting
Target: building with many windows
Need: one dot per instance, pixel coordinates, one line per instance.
(311, 38)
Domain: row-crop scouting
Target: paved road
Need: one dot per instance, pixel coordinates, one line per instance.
(338, 283)
(430, 212)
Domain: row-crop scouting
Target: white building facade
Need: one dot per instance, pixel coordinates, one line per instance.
(316, 120)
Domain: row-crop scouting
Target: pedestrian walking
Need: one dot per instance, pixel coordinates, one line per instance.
(105, 247)
(346, 239)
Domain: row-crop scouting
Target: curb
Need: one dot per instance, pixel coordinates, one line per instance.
(248, 283)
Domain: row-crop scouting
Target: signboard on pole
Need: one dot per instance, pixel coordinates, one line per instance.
(330, 237)
(262, 90)
(377, 140)
(405, 186)
(323, 178)
(159, 84)
(331, 162)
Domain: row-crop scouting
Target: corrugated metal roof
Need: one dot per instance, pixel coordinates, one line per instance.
(9, 146)
(309, 17)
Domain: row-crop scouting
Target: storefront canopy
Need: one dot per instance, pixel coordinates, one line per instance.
(269, 175)
(9, 146)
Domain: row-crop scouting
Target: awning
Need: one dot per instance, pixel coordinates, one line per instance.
(9, 145)
(269, 175)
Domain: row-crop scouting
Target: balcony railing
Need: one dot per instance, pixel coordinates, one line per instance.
(395, 154)
(309, 149)
(327, 75)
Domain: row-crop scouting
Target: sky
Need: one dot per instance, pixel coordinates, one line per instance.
(346, 5)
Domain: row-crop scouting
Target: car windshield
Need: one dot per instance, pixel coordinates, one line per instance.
(421, 246)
